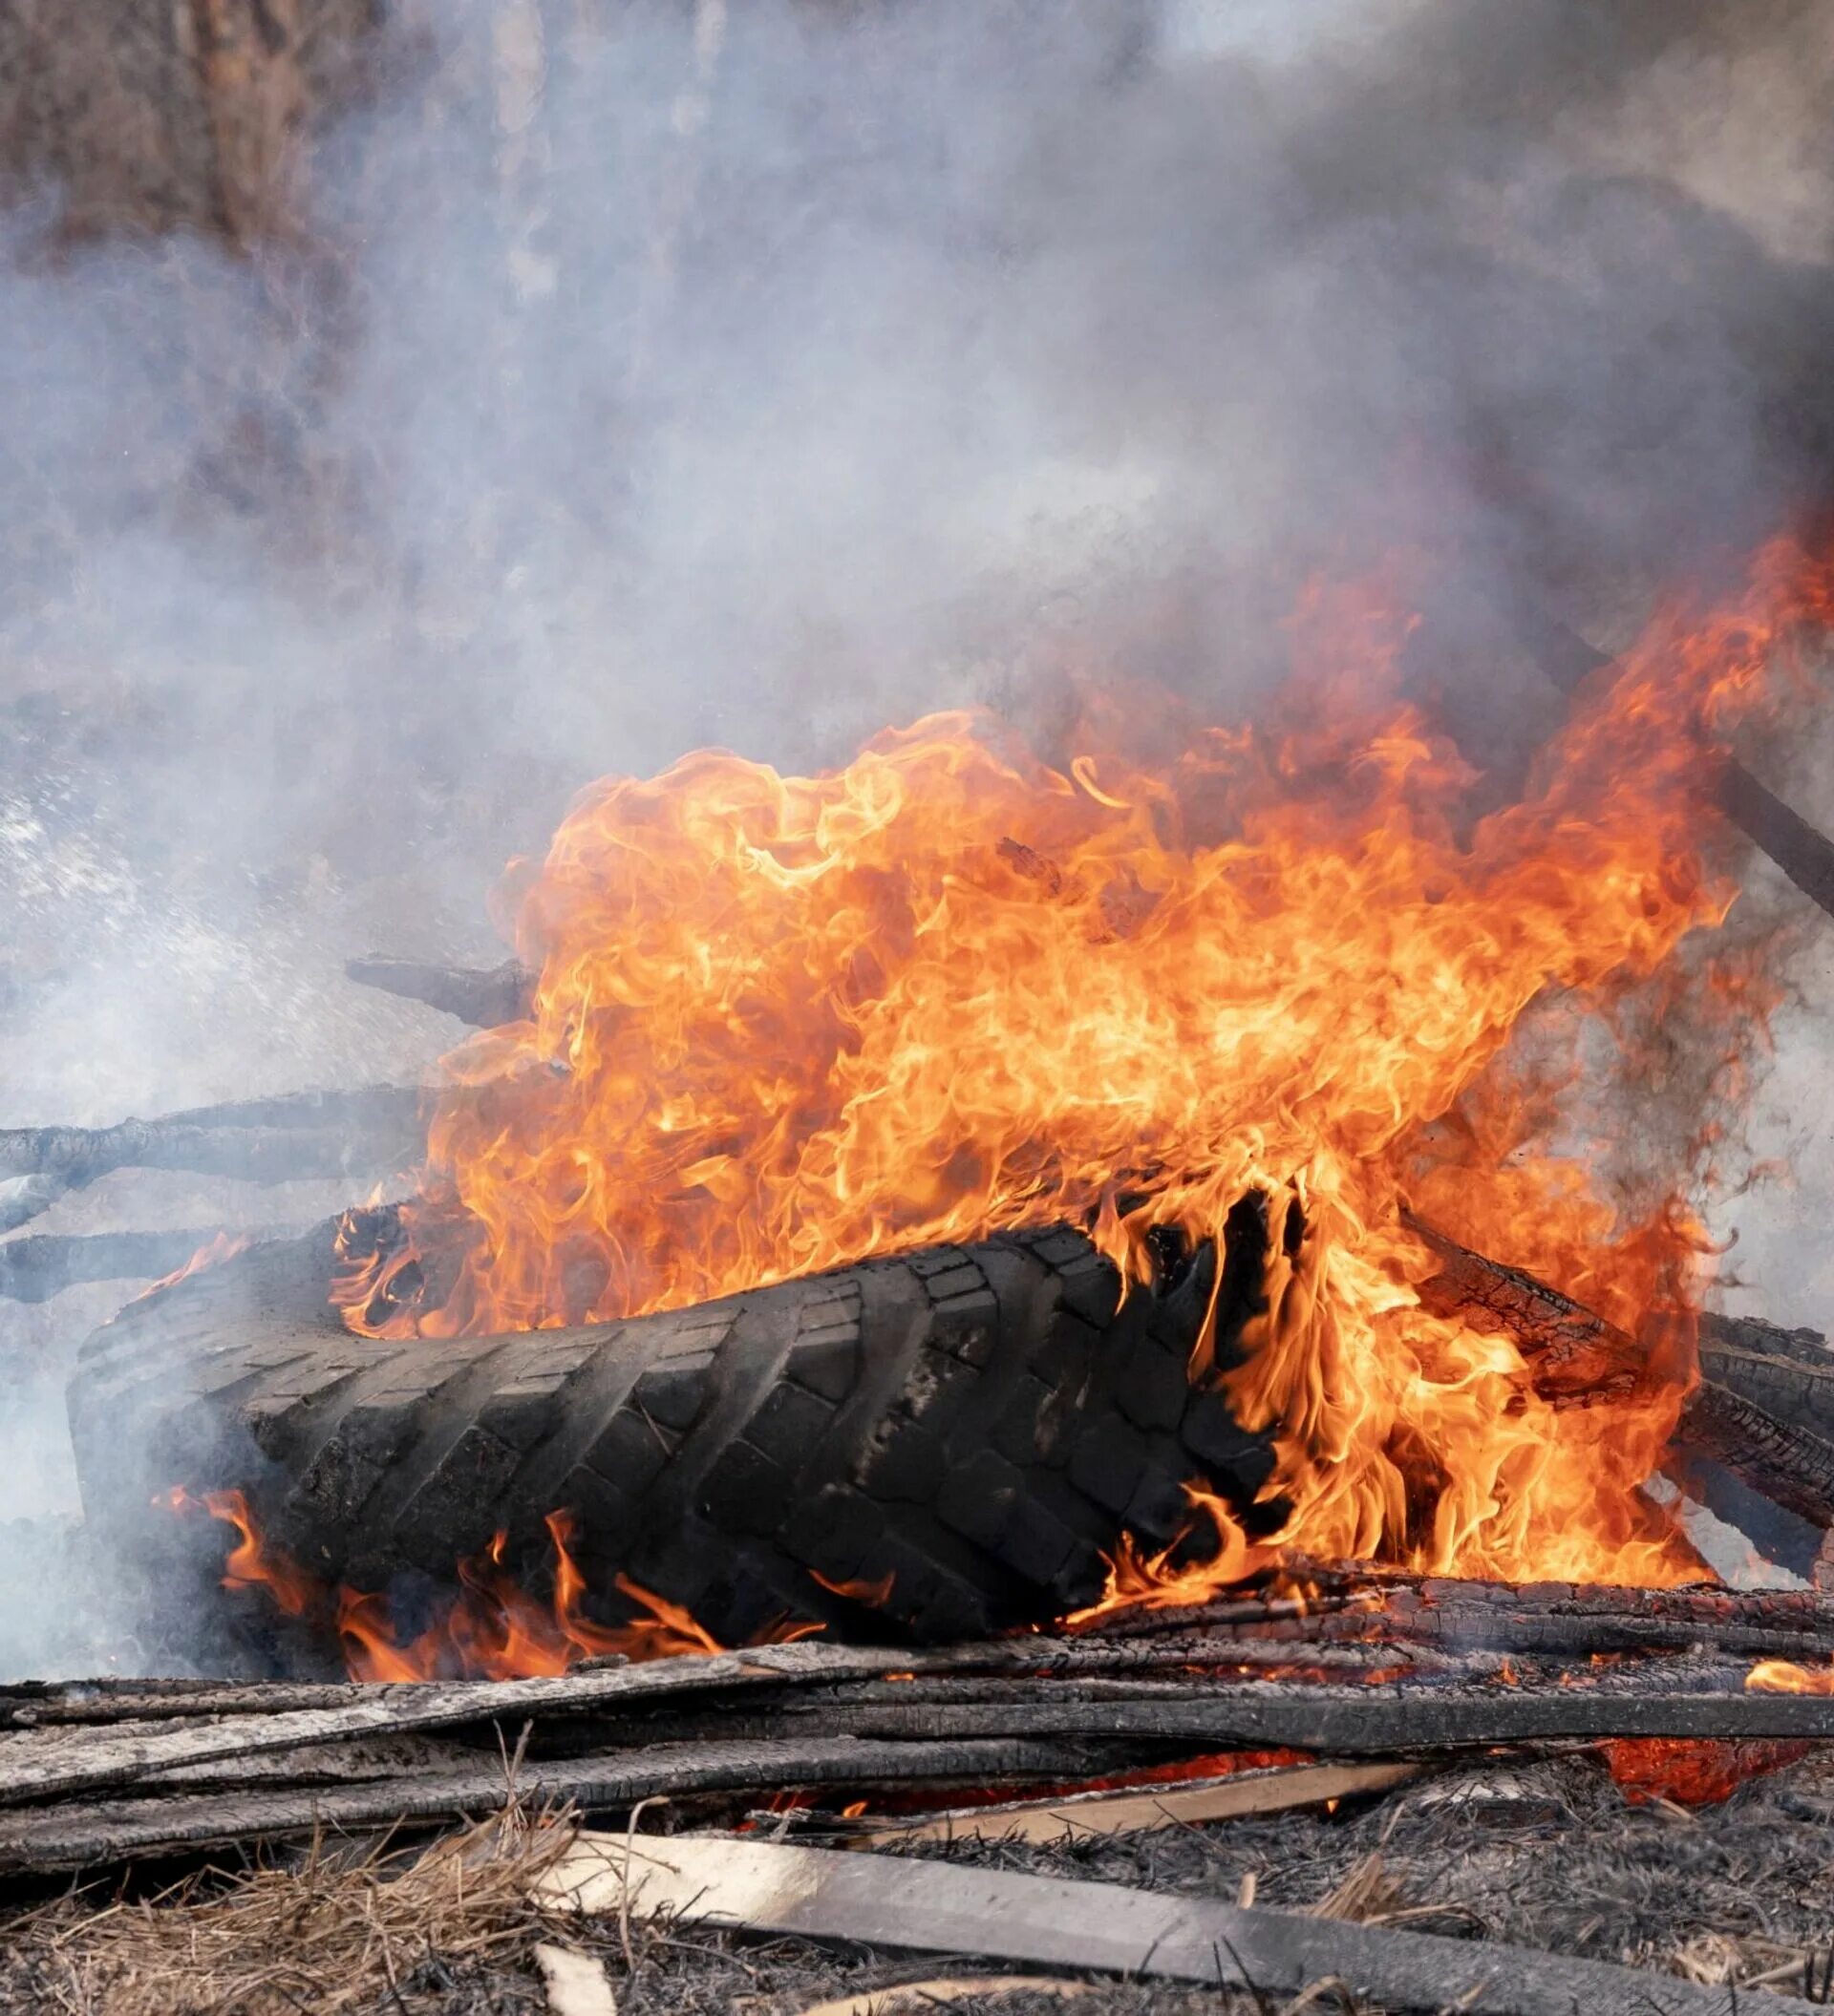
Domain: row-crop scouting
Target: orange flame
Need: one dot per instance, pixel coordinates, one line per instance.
(784, 1023)
(1783, 1676)
(491, 1629)
(874, 1595)
(214, 1251)
(250, 1564)
(1176, 1576)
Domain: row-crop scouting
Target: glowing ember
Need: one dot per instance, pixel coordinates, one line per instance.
(1692, 1770)
(784, 1023)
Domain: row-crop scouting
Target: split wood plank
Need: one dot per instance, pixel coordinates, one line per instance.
(56, 1762)
(576, 1984)
(1144, 1809)
(939, 1907)
(1389, 1721)
(1399, 1719)
(51, 1762)
(86, 1834)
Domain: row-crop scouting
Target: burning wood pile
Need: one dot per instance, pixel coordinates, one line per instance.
(988, 1302)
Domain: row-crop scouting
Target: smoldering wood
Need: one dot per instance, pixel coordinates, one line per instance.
(1363, 1618)
(1579, 1618)
(41, 1265)
(387, 1759)
(83, 1834)
(485, 997)
(1805, 856)
(1365, 1605)
(1789, 1462)
(1575, 1354)
(47, 1705)
(819, 1893)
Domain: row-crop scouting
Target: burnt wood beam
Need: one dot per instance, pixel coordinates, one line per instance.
(486, 998)
(1457, 1619)
(302, 1135)
(1728, 1416)
(1803, 855)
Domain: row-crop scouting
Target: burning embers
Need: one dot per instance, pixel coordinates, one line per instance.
(783, 1024)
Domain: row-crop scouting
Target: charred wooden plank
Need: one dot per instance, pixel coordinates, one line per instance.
(1560, 1619)
(44, 1763)
(1779, 1535)
(84, 1833)
(303, 1135)
(43, 1703)
(485, 997)
(1347, 1722)
(1574, 1353)
(1213, 1710)
(1784, 1461)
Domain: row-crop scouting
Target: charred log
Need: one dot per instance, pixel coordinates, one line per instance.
(1576, 1353)
(1573, 1352)
(279, 1140)
(486, 998)
(1781, 1536)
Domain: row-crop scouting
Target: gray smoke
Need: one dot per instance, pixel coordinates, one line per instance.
(659, 376)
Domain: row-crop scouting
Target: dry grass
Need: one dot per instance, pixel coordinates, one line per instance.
(334, 1934)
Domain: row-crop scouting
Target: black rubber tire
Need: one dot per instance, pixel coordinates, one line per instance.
(980, 1424)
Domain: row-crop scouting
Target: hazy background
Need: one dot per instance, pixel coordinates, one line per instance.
(616, 379)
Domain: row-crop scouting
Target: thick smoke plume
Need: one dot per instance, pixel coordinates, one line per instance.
(615, 378)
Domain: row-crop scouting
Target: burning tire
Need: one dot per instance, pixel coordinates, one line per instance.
(941, 1444)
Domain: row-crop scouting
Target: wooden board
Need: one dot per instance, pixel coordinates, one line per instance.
(892, 1900)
